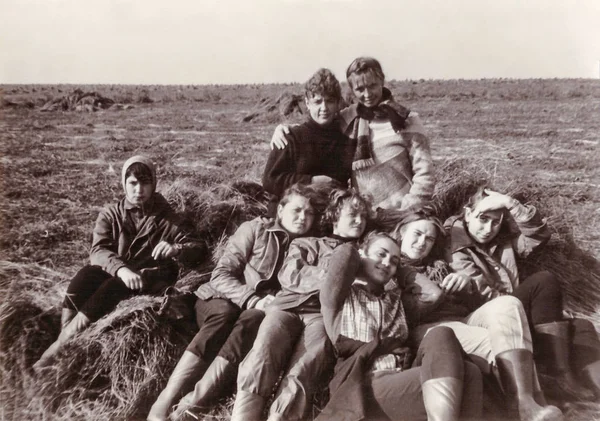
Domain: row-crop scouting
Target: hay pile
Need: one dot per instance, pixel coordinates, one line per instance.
(79, 100)
(116, 368)
(287, 107)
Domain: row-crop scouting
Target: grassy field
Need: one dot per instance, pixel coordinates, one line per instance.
(58, 168)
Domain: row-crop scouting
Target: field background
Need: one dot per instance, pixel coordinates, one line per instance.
(58, 168)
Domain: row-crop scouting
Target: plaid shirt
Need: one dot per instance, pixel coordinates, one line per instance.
(366, 316)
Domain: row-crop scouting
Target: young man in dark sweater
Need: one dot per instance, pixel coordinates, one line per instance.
(317, 151)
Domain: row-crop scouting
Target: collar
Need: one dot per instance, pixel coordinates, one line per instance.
(377, 290)
(146, 207)
(332, 127)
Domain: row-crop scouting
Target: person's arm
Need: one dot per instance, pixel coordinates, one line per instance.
(280, 171)
(463, 264)
(301, 272)
(423, 182)
(228, 276)
(105, 243)
(420, 294)
(279, 141)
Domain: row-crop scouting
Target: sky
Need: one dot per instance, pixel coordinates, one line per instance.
(264, 41)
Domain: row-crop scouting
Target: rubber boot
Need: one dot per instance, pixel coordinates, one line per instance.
(442, 397)
(247, 407)
(471, 406)
(66, 317)
(189, 368)
(516, 375)
(591, 376)
(79, 323)
(552, 341)
(218, 376)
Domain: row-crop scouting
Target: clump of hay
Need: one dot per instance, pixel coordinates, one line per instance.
(79, 100)
(116, 368)
(288, 106)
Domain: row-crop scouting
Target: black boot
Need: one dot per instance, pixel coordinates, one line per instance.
(517, 377)
(187, 371)
(552, 343)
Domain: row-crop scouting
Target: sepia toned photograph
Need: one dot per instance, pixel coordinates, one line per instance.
(299, 210)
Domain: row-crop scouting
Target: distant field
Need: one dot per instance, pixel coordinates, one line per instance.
(58, 168)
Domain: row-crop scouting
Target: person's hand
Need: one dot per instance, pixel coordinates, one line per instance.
(264, 302)
(321, 179)
(164, 250)
(494, 201)
(130, 278)
(455, 282)
(278, 140)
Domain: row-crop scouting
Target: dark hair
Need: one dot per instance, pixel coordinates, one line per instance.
(323, 83)
(479, 195)
(374, 235)
(141, 172)
(298, 189)
(364, 65)
(337, 200)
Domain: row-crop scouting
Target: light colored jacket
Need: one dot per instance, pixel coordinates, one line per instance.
(493, 268)
(249, 260)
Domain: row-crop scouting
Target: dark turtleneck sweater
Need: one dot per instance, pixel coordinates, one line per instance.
(312, 150)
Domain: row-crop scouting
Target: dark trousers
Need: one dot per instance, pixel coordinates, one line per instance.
(95, 293)
(541, 296)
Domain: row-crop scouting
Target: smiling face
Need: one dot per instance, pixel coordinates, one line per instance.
(418, 238)
(351, 222)
(483, 227)
(297, 215)
(367, 88)
(380, 260)
(136, 191)
(322, 109)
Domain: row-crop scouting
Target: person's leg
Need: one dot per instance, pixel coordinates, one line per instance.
(83, 285)
(397, 394)
(312, 358)
(222, 371)
(586, 354)
(215, 320)
(541, 295)
(472, 401)
(440, 358)
(259, 371)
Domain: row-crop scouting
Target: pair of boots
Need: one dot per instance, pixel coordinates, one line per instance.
(219, 375)
(553, 351)
(72, 323)
(517, 375)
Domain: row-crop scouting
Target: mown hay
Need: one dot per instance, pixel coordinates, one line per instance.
(79, 100)
(116, 368)
(288, 106)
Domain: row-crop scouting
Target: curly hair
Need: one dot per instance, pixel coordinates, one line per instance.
(340, 198)
(323, 83)
(299, 189)
(364, 65)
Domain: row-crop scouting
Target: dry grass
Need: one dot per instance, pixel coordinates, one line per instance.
(535, 139)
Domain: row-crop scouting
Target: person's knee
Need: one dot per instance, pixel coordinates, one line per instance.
(440, 336)
(501, 306)
(251, 319)
(217, 311)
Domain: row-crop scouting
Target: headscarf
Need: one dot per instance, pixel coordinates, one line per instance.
(142, 160)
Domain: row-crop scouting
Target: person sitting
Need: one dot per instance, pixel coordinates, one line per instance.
(367, 326)
(484, 244)
(392, 159)
(292, 334)
(230, 307)
(317, 151)
(134, 247)
(496, 335)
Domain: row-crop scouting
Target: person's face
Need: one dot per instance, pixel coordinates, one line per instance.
(367, 88)
(380, 261)
(351, 223)
(297, 215)
(483, 227)
(137, 192)
(418, 238)
(322, 109)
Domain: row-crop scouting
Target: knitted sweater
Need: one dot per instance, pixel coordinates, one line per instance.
(312, 150)
(402, 170)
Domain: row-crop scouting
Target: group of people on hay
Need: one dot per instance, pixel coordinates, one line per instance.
(409, 317)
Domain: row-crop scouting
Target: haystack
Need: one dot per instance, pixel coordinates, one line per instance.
(79, 100)
(287, 107)
(115, 369)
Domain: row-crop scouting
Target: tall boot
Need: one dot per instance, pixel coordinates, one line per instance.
(218, 376)
(472, 393)
(591, 375)
(189, 368)
(552, 342)
(442, 397)
(79, 323)
(516, 371)
(247, 407)
(66, 317)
